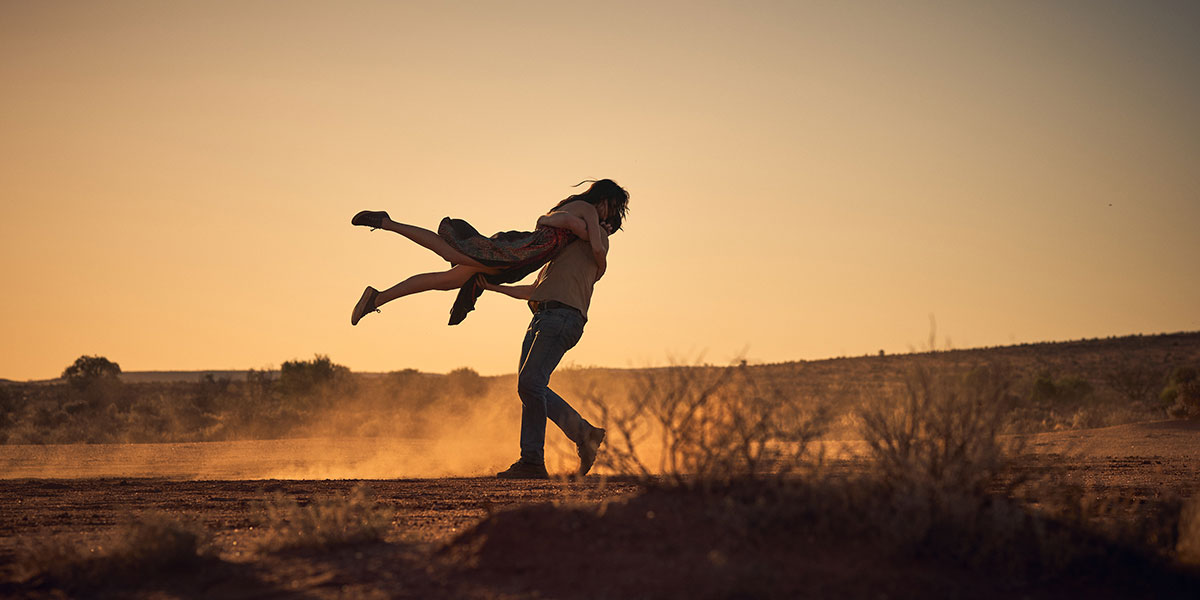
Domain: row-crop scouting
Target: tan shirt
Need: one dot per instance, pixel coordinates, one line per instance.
(569, 278)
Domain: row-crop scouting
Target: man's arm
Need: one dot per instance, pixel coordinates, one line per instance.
(520, 292)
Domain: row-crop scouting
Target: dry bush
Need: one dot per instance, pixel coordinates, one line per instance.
(1134, 380)
(323, 523)
(149, 543)
(1182, 394)
(941, 483)
(704, 426)
(936, 482)
(942, 432)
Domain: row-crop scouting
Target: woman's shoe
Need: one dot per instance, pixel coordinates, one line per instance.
(365, 305)
(370, 218)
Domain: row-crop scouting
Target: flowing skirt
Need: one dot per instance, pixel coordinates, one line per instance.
(516, 253)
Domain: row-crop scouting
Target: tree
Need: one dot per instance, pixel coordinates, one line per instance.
(466, 383)
(88, 370)
(299, 377)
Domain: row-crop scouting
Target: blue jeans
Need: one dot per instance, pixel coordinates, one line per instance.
(551, 333)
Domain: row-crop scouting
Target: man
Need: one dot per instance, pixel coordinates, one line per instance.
(559, 299)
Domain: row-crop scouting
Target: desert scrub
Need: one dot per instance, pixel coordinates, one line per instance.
(935, 459)
(323, 523)
(148, 543)
(936, 481)
(1134, 380)
(1182, 394)
(706, 426)
(942, 431)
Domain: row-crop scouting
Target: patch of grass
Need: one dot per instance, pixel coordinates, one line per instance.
(148, 543)
(323, 523)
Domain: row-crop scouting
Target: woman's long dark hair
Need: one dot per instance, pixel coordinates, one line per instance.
(603, 191)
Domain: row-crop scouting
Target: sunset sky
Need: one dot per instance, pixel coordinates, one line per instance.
(808, 179)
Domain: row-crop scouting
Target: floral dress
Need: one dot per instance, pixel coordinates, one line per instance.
(516, 253)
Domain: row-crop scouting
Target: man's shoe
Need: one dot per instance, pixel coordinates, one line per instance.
(524, 470)
(370, 218)
(365, 305)
(588, 449)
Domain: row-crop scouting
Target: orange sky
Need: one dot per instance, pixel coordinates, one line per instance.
(808, 179)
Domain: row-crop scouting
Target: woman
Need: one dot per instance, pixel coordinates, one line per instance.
(505, 257)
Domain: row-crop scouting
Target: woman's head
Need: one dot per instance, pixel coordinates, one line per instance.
(610, 200)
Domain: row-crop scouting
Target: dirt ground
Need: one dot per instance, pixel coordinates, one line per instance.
(443, 543)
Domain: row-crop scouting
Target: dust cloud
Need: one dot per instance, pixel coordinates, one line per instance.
(367, 434)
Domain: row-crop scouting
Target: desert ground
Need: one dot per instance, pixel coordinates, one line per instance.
(1049, 470)
(479, 537)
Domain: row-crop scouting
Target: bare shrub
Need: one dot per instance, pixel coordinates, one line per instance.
(149, 542)
(705, 426)
(1136, 381)
(942, 433)
(323, 523)
(937, 481)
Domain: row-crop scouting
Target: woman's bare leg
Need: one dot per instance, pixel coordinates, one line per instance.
(431, 240)
(442, 280)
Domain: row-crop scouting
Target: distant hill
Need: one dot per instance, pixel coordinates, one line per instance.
(1093, 358)
(1168, 347)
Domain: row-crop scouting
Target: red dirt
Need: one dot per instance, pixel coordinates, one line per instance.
(485, 538)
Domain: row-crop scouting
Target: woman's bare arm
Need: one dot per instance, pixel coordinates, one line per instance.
(595, 234)
(520, 292)
(565, 220)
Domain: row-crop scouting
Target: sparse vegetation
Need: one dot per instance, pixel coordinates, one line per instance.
(1136, 381)
(705, 426)
(323, 523)
(305, 398)
(148, 543)
(942, 434)
(1182, 394)
(937, 483)
(1069, 385)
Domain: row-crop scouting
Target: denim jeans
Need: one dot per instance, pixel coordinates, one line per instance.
(551, 333)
